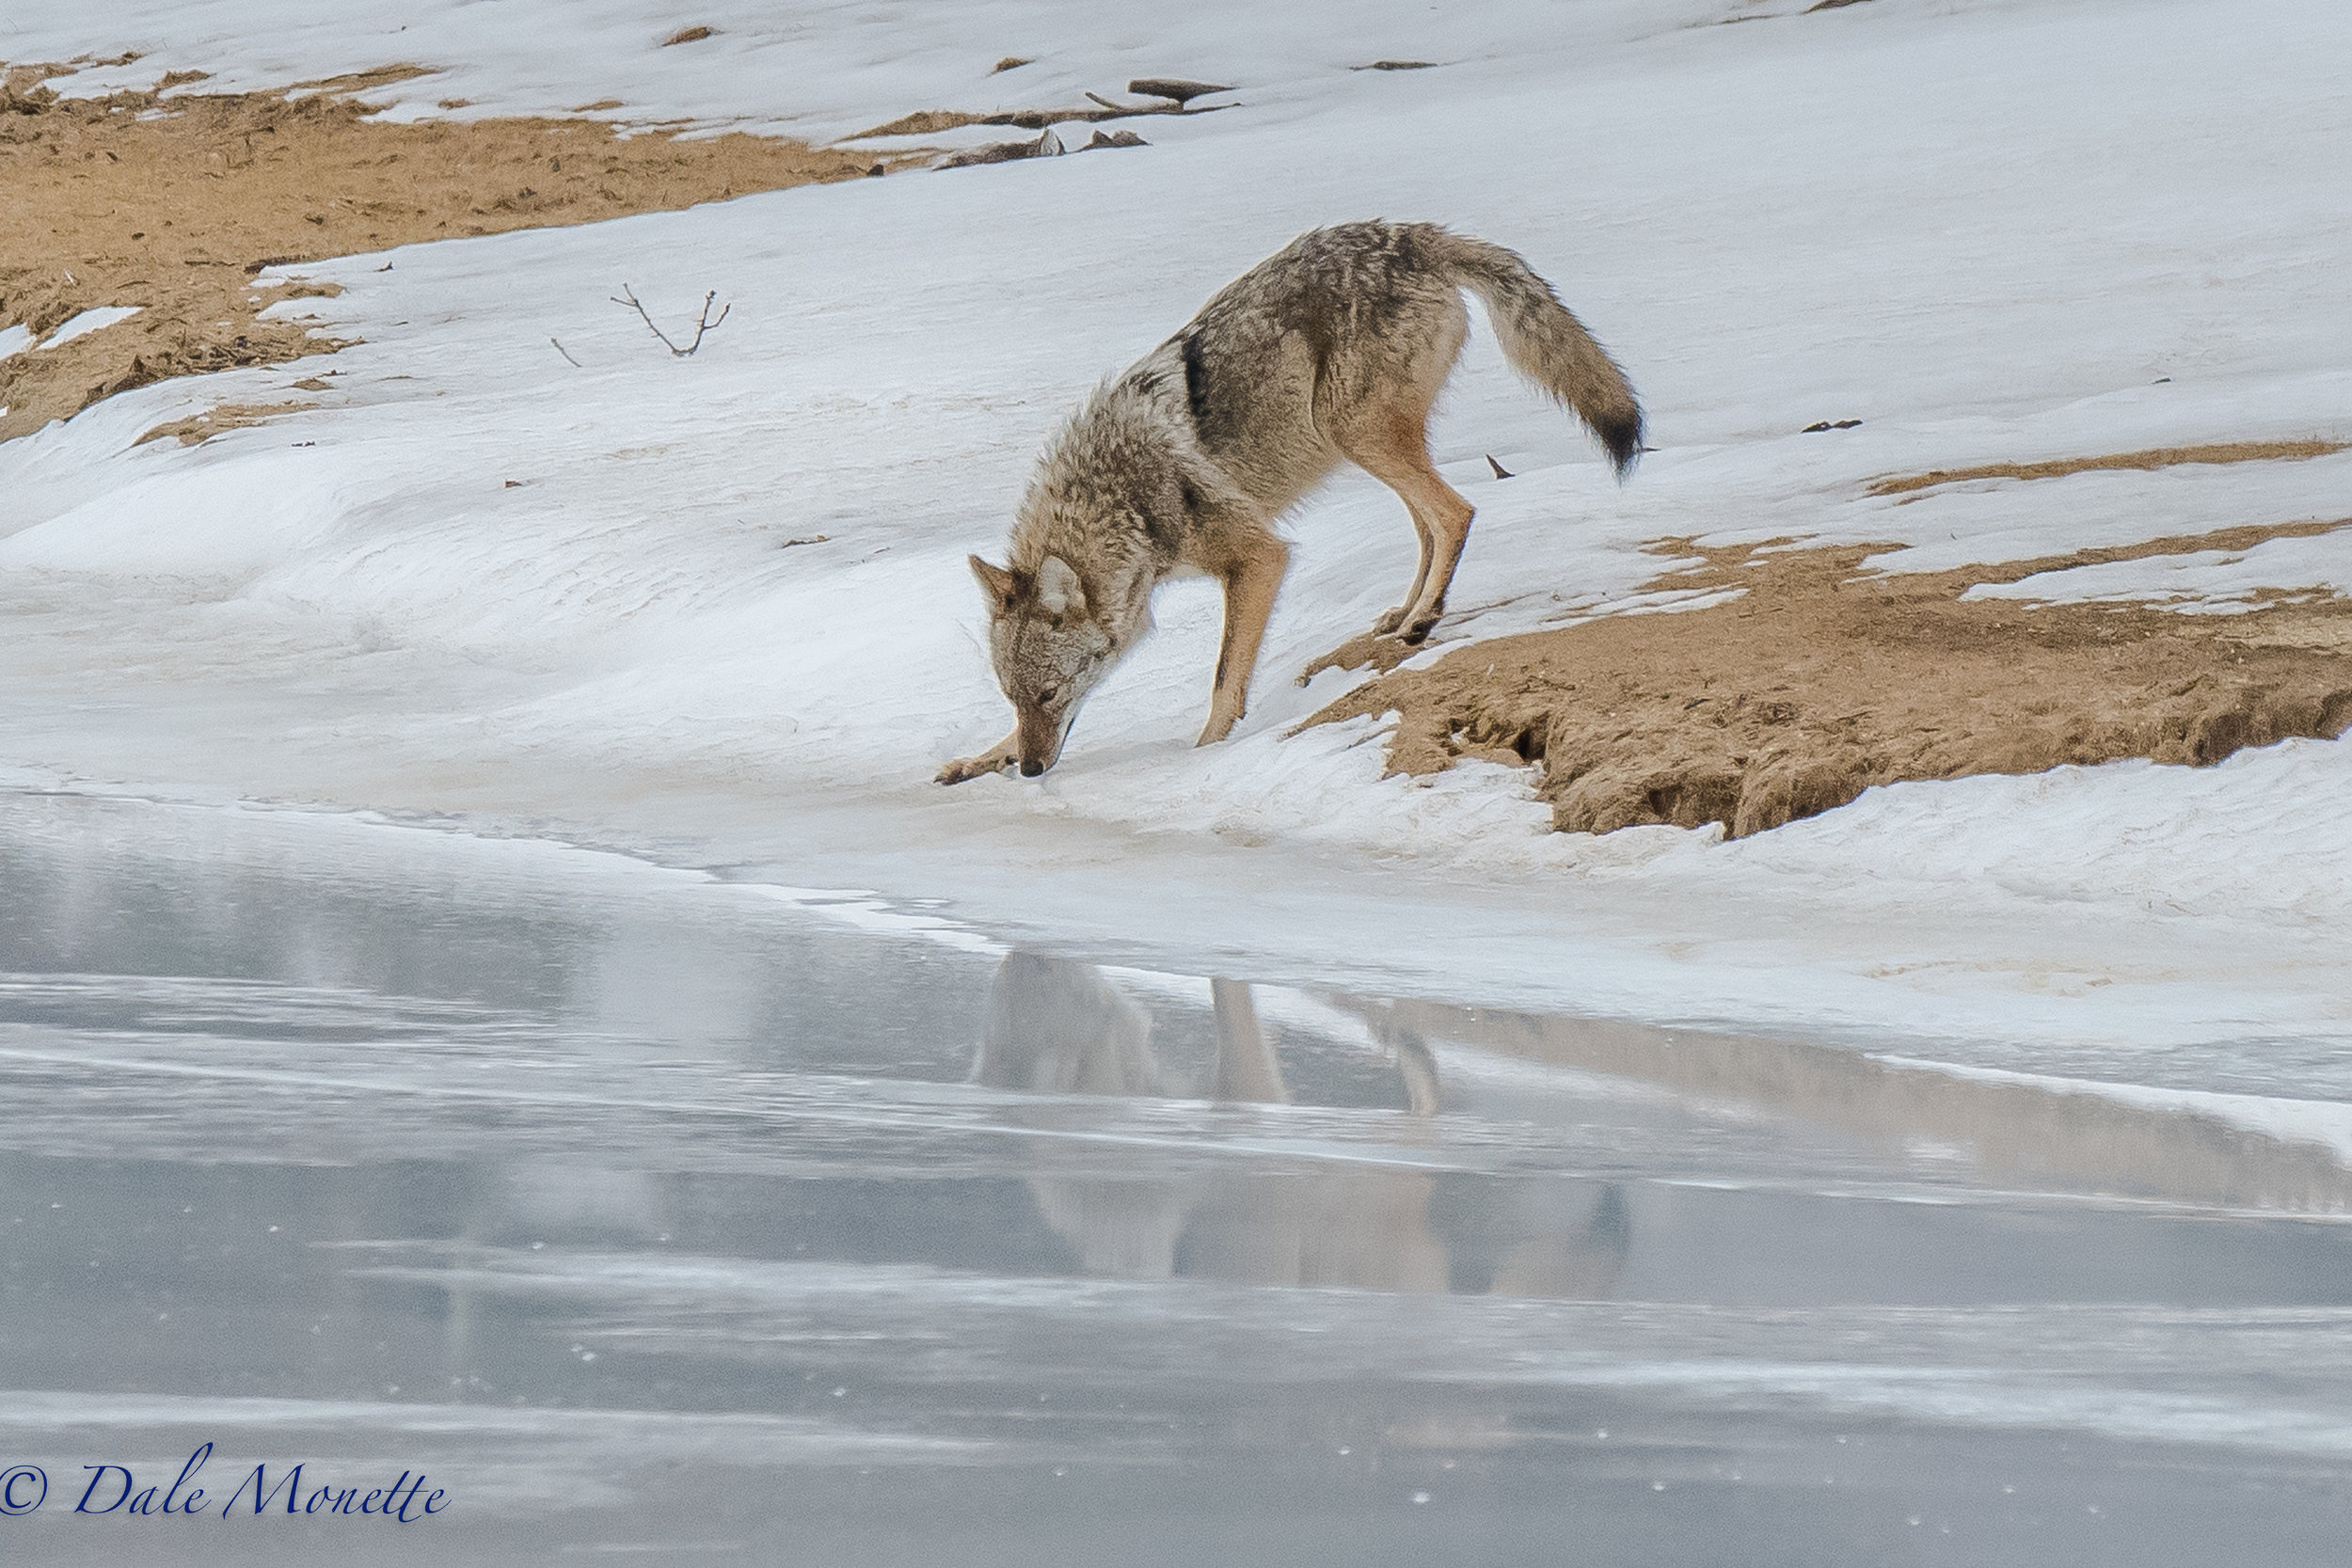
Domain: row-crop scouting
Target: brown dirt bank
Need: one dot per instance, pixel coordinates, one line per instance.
(1816, 683)
(176, 211)
(2153, 457)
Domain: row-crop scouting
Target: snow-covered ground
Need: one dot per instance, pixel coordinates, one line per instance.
(482, 584)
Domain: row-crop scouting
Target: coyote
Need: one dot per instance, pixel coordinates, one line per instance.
(1334, 347)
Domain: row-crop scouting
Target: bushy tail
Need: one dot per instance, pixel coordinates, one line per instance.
(1546, 343)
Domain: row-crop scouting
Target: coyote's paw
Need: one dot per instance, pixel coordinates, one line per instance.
(971, 767)
(1389, 619)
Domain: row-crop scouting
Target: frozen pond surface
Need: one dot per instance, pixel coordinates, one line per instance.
(653, 1216)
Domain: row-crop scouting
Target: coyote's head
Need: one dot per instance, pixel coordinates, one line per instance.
(1048, 648)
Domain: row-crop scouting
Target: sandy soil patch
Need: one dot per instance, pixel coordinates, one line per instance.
(227, 416)
(172, 201)
(1818, 681)
(2153, 457)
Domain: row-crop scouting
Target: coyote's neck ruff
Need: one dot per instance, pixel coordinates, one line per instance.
(1334, 347)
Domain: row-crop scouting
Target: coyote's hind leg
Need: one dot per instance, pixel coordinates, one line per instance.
(1389, 619)
(1394, 450)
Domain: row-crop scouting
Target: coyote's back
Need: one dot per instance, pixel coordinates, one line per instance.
(1351, 324)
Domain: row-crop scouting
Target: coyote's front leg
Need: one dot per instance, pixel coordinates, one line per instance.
(995, 760)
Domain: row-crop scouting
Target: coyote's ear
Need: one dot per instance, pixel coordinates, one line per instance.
(997, 584)
(1059, 590)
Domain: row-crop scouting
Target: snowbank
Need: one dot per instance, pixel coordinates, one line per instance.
(484, 582)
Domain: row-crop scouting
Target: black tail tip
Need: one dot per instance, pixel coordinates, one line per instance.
(1623, 439)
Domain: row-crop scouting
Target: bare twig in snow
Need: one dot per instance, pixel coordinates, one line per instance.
(703, 323)
(566, 353)
(1031, 119)
(1501, 472)
(928, 122)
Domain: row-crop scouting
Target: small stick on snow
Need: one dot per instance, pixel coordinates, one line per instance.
(1175, 106)
(1032, 119)
(1501, 472)
(703, 323)
(566, 353)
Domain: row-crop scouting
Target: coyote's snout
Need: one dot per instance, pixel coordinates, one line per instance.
(1335, 347)
(1048, 648)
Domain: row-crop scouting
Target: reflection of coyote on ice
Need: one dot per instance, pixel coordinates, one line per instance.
(1334, 347)
(1060, 1028)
